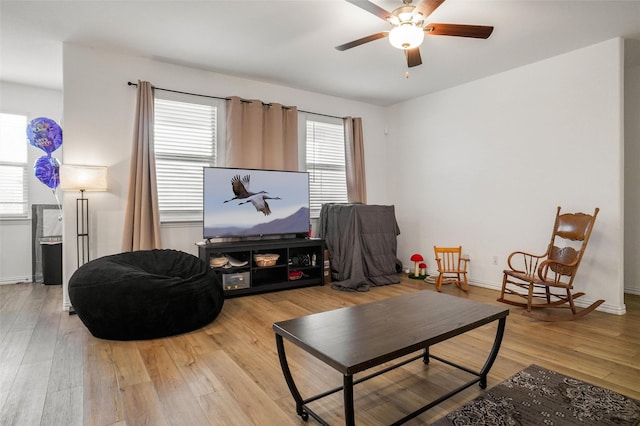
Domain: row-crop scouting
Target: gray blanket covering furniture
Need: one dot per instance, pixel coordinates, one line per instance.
(362, 243)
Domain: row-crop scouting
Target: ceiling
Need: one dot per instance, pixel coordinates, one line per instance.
(292, 42)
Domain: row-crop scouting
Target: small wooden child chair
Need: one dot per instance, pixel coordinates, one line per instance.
(452, 267)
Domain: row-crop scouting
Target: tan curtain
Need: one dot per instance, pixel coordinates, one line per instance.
(261, 136)
(142, 216)
(354, 160)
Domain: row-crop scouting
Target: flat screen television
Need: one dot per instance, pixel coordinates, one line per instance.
(240, 203)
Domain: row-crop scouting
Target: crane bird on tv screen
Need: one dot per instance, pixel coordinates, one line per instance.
(259, 201)
(241, 191)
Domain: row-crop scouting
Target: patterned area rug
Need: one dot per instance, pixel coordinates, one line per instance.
(537, 396)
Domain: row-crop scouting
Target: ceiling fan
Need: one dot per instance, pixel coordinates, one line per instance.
(408, 27)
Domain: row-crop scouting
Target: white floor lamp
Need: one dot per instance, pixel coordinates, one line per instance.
(82, 178)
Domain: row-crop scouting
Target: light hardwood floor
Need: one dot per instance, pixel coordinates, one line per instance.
(53, 372)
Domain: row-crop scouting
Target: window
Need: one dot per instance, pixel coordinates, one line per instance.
(185, 138)
(325, 163)
(14, 187)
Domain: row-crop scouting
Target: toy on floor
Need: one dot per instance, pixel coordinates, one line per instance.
(420, 269)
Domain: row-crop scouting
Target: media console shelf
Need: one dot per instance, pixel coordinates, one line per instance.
(300, 265)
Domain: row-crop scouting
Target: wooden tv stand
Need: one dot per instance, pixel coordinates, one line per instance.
(251, 278)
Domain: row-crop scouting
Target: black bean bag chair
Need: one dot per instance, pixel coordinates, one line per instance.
(145, 294)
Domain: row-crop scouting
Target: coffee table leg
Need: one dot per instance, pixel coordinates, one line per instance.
(289, 378)
(425, 356)
(494, 353)
(349, 417)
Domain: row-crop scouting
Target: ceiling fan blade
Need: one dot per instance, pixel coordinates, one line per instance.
(426, 7)
(458, 30)
(413, 57)
(362, 40)
(372, 8)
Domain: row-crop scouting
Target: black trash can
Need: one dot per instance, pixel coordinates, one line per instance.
(51, 262)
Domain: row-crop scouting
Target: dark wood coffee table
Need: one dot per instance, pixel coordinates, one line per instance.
(357, 338)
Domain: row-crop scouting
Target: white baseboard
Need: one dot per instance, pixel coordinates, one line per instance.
(14, 280)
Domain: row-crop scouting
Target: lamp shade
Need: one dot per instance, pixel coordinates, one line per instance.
(83, 178)
(406, 36)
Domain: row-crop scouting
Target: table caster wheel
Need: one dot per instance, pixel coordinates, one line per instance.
(305, 416)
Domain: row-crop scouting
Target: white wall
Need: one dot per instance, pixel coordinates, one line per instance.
(477, 165)
(632, 180)
(485, 164)
(99, 109)
(15, 234)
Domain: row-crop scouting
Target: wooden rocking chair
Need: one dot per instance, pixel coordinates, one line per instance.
(546, 280)
(452, 267)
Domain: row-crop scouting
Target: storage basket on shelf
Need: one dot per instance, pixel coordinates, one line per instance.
(266, 259)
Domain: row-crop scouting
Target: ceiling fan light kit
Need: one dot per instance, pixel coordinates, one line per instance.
(407, 31)
(408, 27)
(406, 36)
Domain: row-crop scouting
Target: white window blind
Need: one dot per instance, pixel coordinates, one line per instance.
(185, 136)
(14, 184)
(325, 163)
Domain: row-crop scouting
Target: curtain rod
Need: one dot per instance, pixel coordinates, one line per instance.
(226, 99)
